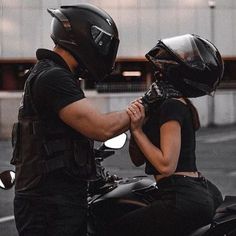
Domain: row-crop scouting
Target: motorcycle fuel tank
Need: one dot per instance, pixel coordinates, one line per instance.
(129, 194)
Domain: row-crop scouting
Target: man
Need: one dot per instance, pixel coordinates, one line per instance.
(52, 140)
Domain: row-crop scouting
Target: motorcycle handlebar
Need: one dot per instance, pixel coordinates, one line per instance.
(103, 154)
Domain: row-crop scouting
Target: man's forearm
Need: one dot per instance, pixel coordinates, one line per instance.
(117, 123)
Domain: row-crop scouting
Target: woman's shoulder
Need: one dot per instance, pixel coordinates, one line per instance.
(179, 102)
(173, 109)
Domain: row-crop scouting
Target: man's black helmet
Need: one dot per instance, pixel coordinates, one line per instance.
(193, 65)
(89, 34)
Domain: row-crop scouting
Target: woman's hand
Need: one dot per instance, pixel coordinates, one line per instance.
(137, 115)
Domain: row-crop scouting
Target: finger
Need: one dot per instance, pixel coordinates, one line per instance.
(131, 115)
(134, 107)
(132, 111)
(133, 118)
(140, 100)
(141, 109)
(137, 113)
(135, 101)
(130, 107)
(138, 106)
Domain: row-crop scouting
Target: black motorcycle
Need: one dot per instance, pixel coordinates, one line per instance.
(111, 197)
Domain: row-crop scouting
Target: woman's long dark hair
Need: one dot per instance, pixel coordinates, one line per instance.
(195, 116)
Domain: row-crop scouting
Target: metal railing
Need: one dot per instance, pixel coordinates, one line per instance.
(121, 87)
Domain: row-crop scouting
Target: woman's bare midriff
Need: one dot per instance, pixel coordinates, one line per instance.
(190, 174)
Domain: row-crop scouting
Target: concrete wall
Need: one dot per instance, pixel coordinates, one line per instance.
(9, 103)
(25, 24)
(219, 110)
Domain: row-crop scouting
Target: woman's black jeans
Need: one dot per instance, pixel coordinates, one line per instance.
(181, 205)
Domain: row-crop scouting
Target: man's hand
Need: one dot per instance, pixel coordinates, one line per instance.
(159, 90)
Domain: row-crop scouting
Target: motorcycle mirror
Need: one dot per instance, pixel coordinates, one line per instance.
(7, 179)
(116, 142)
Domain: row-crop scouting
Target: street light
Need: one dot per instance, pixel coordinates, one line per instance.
(211, 101)
(212, 5)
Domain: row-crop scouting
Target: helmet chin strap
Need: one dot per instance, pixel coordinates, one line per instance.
(162, 71)
(80, 72)
(163, 78)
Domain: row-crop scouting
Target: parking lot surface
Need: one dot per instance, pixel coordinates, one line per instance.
(216, 159)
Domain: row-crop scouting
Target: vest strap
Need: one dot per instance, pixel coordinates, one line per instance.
(55, 146)
(55, 163)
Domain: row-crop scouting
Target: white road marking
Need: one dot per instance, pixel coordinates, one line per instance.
(216, 138)
(6, 218)
(232, 173)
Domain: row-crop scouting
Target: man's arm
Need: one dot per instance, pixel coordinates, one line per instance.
(86, 119)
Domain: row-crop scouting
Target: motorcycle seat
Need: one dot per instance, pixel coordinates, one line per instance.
(224, 219)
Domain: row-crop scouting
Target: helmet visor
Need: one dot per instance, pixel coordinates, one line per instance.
(189, 51)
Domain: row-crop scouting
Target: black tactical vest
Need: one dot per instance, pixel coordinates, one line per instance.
(41, 145)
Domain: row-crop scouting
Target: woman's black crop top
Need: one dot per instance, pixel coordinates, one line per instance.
(172, 109)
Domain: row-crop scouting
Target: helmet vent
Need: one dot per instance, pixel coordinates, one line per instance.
(65, 23)
(108, 21)
(102, 39)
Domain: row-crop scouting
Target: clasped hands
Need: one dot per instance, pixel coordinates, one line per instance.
(159, 90)
(138, 109)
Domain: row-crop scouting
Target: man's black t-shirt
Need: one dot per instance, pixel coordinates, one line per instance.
(172, 109)
(55, 88)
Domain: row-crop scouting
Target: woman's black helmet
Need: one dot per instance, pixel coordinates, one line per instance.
(89, 34)
(193, 65)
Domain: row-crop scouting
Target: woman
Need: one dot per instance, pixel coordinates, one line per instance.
(165, 141)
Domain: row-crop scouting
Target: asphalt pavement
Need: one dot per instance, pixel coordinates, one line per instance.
(216, 159)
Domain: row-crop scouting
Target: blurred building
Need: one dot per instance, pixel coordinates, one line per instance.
(25, 26)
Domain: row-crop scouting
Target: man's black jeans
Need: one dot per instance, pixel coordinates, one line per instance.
(182, 204)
